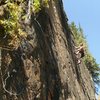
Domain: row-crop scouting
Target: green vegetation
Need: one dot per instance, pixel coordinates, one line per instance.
(37, 5)
(89, 60)
(78, 34)
(10, 22)
(12, 13)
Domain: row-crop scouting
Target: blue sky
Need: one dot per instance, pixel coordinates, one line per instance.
(87, 13)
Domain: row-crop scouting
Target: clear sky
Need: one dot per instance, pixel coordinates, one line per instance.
(87, 13)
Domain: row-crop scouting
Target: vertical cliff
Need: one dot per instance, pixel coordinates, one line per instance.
(43, 67)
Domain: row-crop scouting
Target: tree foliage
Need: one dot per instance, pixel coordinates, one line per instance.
(89, 60)
(12, 12)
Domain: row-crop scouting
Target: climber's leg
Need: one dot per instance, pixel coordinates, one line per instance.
(79, 61)
(76, 52)
(78, 57)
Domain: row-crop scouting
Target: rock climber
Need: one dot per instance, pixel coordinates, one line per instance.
(80, 52)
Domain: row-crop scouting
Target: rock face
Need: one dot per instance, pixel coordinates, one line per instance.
(44, 66)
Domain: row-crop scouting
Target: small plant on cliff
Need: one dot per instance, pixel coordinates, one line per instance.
(37, 5)
(10, 23)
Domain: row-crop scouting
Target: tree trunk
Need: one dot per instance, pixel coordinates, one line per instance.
(44, 65)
